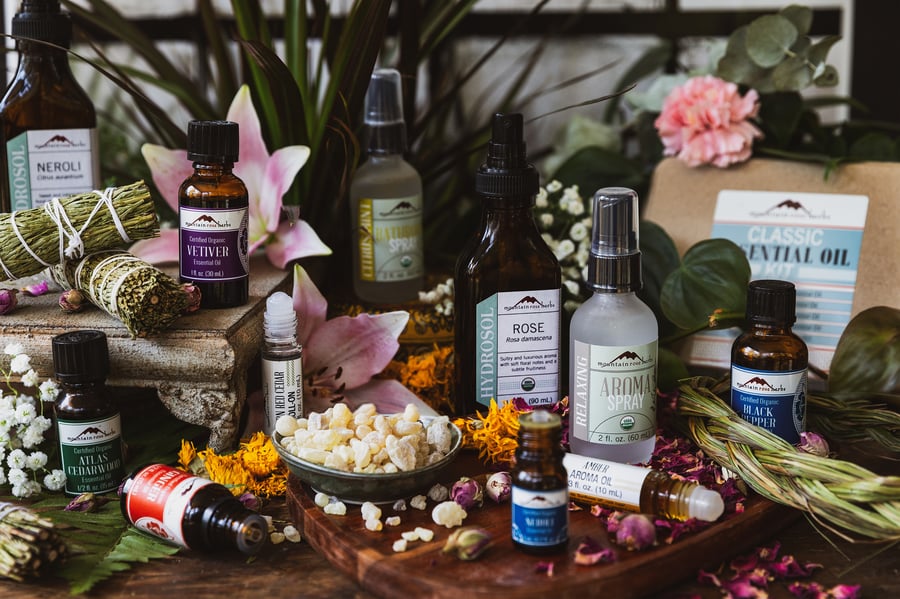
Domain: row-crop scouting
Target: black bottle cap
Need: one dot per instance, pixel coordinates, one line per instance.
(213, 141)
(771, 302)
(80, 356)
(507, 172)
(42, 20)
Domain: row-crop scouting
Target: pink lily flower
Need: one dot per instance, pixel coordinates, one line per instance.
(342, 354)
(267, 177)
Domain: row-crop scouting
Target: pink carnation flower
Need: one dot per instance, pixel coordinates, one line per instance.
(706, 121)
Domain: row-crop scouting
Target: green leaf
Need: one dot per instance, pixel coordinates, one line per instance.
(650, 62)
(659, 258)
(713, 276)
(828, 78)
(592, 168)
(793, 74)
(873, 146)
(800, 16)
(867, 357)
(670, 369)
(769, 38)
(780, 114)
(818, 52)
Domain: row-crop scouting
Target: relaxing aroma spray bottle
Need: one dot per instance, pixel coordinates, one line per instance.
(612, 370)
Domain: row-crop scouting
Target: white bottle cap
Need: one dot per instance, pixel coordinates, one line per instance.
(280, 319)
(705, 504)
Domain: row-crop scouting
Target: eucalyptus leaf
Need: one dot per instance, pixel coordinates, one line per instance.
(792, 74)
(713, 276)
(867, 357)
(768, 39)
(736, 65)
(800, 16)
(828, 78)
(818, 52)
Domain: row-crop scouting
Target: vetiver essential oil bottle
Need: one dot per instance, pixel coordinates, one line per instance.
(213, 213)
(507, 287)
(769, 362)
(386, 203)
(87, 420)
(614, 337)
(49, 126)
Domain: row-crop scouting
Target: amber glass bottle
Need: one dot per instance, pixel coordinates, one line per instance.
(540, 489)
(49, 126)
(88, 423)
(507, 287)
(213, 213)
(769, 362)
(190, 511)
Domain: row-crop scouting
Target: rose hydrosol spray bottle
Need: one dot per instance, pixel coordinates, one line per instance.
(507, 287)
(48, 122)
(612, 376)
(386, 203)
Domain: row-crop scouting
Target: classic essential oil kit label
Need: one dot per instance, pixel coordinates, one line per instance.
(51, 163)
(775, 401)
(213, 243)
(158, 497)
(540, 518)
(91, 454)
(614, 397)
(390, 239)
(517, 347)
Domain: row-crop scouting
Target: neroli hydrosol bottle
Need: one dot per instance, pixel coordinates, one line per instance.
(213, 214)
(386, 203)
(507, 287)
(540, 491)
(614, 335)
(190, 511)
(49, 125)
(87, 419)
(769, 363)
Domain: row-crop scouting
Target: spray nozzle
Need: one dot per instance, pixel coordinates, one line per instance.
(280, 319)
(615, 263)
(384, 113)
(506, 172)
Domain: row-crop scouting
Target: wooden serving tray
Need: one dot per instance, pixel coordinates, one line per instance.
(502, 571)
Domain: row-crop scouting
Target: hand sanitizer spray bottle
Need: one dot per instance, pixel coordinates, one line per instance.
(282, 369)
(613, 345)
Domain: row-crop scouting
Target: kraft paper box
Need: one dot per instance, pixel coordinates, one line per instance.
(693, 204)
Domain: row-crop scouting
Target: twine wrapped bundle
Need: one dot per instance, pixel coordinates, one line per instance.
(29, 544)
(144, 298)
(846, 498)
(68, 228)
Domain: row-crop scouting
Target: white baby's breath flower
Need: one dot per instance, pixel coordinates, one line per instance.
(26, 489)
(21, 363)
(564, 202)
(30, 378)
(548, 238)
(7, 402)
(2, 477)
(578, 232)
(25, 413)
(13, 349)
(571, 286)
(48, 390)
(572, 194)
(36, 460)
(564, 248)
(541, 200)
(41, 424)
(554, 186)
(16, 460)
(571, 305)
(31, 437)
(55, 480)
(576, 207)
(546, 220)
(16, 476)
(7, 418)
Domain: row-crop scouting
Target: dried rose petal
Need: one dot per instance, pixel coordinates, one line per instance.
(194, 294)
(36, 289)
(544, 568)
(741, 588)
(590, 552)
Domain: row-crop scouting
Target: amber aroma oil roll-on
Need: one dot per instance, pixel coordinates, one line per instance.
(213, 214)
(769, 362)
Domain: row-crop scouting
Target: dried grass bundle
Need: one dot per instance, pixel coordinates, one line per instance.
(29, 544)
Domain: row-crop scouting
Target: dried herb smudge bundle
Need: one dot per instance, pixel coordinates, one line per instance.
(144, 298)
(29, 544)
(71, 227)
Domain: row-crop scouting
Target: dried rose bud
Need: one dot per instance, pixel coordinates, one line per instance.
(498, 486)
(814, 443)
(8, 300)
(71, 301)
(249, 500)
(469, 542)
(636, 532)
(194, 294)
(467, 492)
(86, 502)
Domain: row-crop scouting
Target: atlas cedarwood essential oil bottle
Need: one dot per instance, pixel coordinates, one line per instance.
(190, 511)
(49, 125)
(769, 362)
(507, 287)
(88, 424)
(540, 491)
(386, 203)
(613, 344)
(213, 214)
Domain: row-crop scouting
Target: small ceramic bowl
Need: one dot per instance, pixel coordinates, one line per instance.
(358, 487)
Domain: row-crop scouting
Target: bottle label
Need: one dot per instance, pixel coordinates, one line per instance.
(44, 164)
(775, 401)
(517, 347)
(540, 518)
(91, 454)
(614, 399)
(157, 498)
(282, 390)
(609, 484)
(390, 239)
(213, 244)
